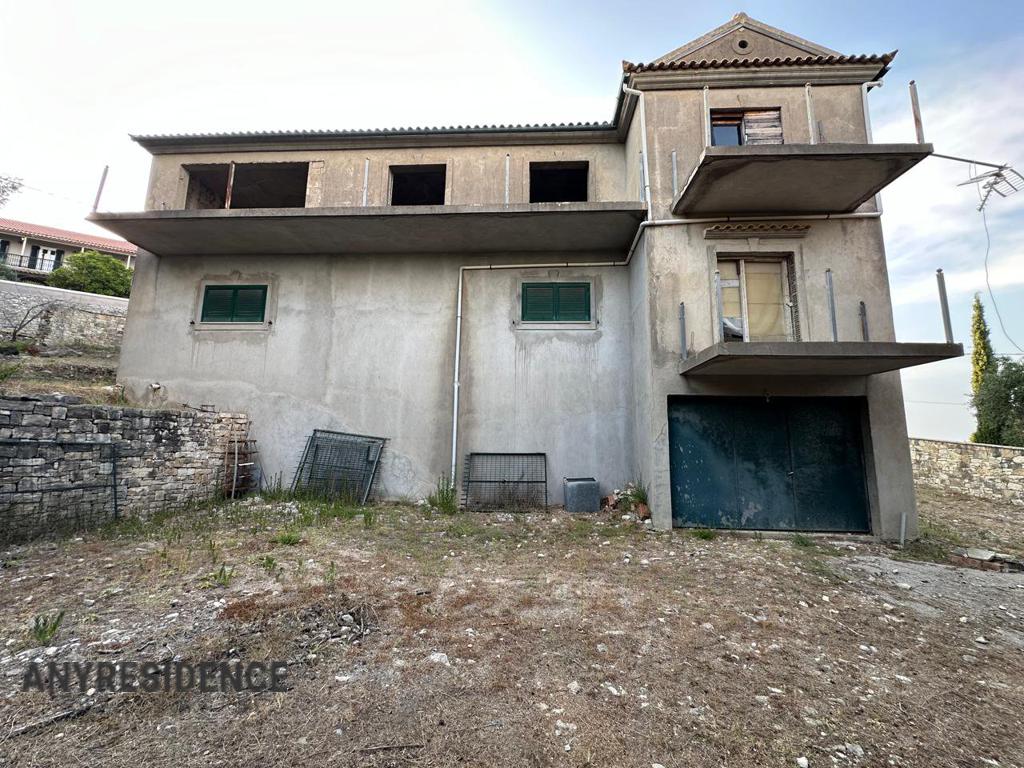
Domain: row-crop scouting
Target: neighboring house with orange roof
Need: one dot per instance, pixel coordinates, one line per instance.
(35, 250)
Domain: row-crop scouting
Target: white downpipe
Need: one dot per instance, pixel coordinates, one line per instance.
(646, 165)
(869, 135)
(592, 264)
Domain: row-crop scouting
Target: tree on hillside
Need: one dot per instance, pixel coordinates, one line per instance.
(94, 273)
(9, 185)
(999, 404)
(981, 345)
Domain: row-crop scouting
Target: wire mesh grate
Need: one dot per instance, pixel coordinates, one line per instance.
(339, 464)
(505, 480)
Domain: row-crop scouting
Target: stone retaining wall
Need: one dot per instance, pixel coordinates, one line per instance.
(164, 459)
(974, 469)
(71, 318)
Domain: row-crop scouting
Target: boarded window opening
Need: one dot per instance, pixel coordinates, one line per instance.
(559, 182)
(736, 127)
(417, 184)
(253, 185)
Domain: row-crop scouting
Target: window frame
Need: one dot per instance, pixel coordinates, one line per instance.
(553, 323)
(788, 303)
(233, 325)
(729, 116)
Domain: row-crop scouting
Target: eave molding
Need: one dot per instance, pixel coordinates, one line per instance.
(671, 80)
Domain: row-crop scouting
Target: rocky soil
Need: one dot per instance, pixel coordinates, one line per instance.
(418, 639)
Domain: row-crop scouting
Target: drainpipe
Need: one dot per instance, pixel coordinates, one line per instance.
(644, 225)
(646, 181)
(864, 88)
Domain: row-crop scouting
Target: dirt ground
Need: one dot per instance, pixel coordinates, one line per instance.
(419, 639)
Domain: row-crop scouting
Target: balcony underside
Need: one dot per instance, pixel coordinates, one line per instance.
(553, 227)
(794, 179)
(813, 358)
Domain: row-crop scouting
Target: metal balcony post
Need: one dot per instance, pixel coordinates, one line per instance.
(944, 303)
(831, 304)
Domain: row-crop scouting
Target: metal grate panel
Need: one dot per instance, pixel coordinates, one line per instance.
(339, 464)
(505, 480)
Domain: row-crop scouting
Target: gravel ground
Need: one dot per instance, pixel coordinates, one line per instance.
(527, 640)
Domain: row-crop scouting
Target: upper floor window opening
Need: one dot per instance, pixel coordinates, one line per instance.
(738, 127)
(247, 185)
(418, 184)
(559, 182)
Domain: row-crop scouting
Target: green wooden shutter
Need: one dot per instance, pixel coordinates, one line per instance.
(250, 303)
(234, 303)
(218, 301)
(538, 302)
(573, 304)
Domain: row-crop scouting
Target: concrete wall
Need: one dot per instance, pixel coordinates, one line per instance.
(475, 175)
(366, 344)
(987, 471)
(74, 319)
(165, 459)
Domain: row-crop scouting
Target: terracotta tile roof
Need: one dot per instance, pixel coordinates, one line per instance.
(66, 237)
(790, 61)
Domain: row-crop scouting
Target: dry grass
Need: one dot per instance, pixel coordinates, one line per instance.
(570, 642)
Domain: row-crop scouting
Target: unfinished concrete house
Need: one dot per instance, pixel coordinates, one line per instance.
(693, 295)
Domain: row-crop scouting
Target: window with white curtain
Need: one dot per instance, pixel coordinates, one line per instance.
(756, 304)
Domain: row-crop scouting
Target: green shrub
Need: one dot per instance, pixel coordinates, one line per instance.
(44, 628)
(94, 273)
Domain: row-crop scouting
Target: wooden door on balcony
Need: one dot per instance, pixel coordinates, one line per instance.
(786, 463)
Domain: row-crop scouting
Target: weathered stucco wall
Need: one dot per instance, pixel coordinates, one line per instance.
(165, 459)
(72, 318)
(974, 469)
(365, 344)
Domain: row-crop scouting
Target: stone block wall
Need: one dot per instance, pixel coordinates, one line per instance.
(70, 318)
(164, 459)
(974, 469)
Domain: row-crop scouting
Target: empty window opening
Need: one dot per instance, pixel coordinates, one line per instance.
(756, 300)
(417, 184)
(736, 127)
(559, 182)
(556, 302)
(250, 185)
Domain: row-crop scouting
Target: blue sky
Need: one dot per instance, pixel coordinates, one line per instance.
(112, 68)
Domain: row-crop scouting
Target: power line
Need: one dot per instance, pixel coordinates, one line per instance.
(935, 402)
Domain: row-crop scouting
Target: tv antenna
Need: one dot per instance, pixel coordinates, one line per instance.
(1002, 179)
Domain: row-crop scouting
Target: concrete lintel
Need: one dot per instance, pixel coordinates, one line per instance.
(792, 178)
(551, 227)
(813, 358)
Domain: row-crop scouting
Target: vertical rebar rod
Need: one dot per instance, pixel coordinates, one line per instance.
(864, 322)
(831, 304)
(947, 324)
(812, 128)
(720, 334)
(113, 475)
(682, 329)
(508, 161)
(707, 119)
(234, 474)
(231, 184)
(366, 181)
(915, 106)
(675, 175)
(643, 180)
(99, 189)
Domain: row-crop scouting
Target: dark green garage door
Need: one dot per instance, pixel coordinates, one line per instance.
(784, 463)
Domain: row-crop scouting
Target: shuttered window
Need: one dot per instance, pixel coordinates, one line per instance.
(556, 302)
(234, 303)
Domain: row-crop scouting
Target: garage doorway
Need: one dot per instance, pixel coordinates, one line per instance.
(781, 463)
